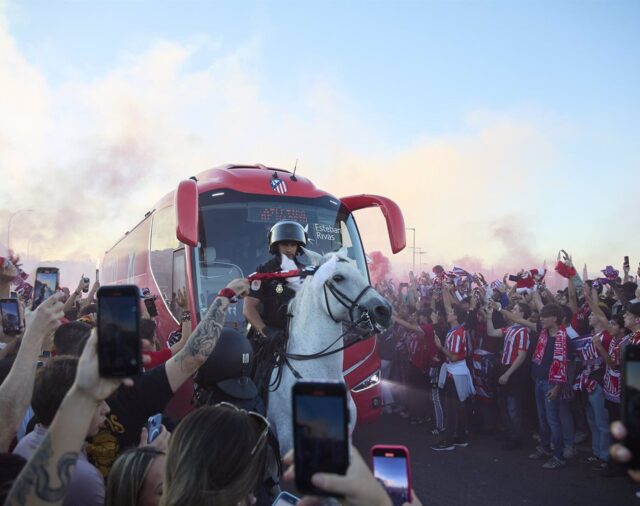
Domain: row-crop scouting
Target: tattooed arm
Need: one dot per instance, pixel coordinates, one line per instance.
(16, 390)
(203, 339)
(45, 478)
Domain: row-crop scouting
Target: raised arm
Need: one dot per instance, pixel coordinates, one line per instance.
(407, 325)
(17, 388)
(46, 476)
(516, 319)
(203, 339)
(491, 330)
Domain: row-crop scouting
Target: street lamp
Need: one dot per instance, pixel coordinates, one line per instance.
(11, 216)
(420, 252)
(413, 247)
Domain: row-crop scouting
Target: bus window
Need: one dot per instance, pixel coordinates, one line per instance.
(161, 252)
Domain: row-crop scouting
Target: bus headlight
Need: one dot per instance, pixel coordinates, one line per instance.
(367, 383)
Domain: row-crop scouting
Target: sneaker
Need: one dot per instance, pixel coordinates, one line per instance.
(404, 414)
(460, 442)
(601, 466)
(553, 463)
(540, 453)
(436, 431)
(569, 452)
(591, 459)
(444, 446)
(580, 437)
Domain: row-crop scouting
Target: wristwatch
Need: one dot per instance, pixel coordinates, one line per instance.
(229, 294)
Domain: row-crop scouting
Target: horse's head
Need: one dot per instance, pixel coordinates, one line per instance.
(348, 295)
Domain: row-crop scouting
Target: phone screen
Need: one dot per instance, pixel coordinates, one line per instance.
(45, 286)
(391, 470)
(285, 499)
(119, 346)
(10, 316)
(631, 408)
(150, 304)
(320, 431)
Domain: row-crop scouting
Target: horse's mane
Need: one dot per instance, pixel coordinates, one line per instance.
(327, 265)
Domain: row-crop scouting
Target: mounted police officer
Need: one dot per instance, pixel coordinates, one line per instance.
(265, 308)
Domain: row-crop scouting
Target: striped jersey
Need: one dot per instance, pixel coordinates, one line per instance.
(456, 341)
(516, 338)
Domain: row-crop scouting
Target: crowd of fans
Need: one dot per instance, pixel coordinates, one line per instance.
(512, 358)
(70, 436)
(463, 356)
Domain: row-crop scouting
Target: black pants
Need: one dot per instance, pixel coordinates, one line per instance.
(455, 411)
(510, 398)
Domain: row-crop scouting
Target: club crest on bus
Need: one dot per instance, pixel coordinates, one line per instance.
(278, 186)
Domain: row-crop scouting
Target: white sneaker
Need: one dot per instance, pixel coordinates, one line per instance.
(569, 452)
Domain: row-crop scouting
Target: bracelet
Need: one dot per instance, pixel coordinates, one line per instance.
(186, 316)
(229, 294)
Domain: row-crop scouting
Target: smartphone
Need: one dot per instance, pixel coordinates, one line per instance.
(119, 344)
(391, 468)
(10, 311)
(150, 304)
(154, 427)
(630, 402)
(320, 431)
(97, 275)
(626, 260)
(285, 499)
(47, 283)
(85, 283)
(513, 278)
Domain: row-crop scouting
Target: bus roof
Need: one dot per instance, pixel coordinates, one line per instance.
(255, 179)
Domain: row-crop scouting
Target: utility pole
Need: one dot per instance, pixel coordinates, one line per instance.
(413, 229)
(11, 216)
(420, 253)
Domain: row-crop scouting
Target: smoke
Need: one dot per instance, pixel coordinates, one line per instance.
(379, 267)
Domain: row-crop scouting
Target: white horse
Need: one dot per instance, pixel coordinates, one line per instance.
(337, 293)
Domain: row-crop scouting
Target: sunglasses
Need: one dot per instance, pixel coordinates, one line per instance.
(257, 416)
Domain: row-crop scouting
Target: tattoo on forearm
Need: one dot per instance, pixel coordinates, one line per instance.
(35, 476)
(205, 336)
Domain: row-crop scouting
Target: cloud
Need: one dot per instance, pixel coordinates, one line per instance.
(91, 155)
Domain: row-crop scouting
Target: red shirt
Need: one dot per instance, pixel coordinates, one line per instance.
(516, 338)
(157, 358)
(434, 355)
(456, 342)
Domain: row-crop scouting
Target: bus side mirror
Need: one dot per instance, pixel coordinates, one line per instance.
(187, 212)
(391, 212)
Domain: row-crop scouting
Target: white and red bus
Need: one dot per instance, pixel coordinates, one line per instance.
(213, 228)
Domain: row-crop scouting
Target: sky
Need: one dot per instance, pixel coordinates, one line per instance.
(505, 130)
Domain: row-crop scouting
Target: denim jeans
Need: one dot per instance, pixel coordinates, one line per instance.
(555, 421)
(598, 419)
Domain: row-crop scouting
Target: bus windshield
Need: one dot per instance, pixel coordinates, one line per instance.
(233, 236)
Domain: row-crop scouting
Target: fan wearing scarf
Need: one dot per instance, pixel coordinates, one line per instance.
(549, 370)
(266, 306)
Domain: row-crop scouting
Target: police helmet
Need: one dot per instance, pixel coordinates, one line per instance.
(229, 366)
(286, 231)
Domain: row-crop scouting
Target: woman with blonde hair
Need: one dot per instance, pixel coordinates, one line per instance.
(136, 478)
(216, 456)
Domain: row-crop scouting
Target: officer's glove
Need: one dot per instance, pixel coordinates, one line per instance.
(272, 334)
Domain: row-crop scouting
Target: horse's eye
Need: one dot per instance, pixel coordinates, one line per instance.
(338, 278)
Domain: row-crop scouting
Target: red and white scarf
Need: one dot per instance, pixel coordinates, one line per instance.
(560, 361)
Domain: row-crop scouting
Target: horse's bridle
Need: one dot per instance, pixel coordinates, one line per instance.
(344, 299)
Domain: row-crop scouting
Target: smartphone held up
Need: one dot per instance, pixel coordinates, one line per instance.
(119, 345)
(320, 431)
(11, 320)
(47, 283)
(391, 468)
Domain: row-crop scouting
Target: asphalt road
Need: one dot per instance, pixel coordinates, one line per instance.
(483, 474)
